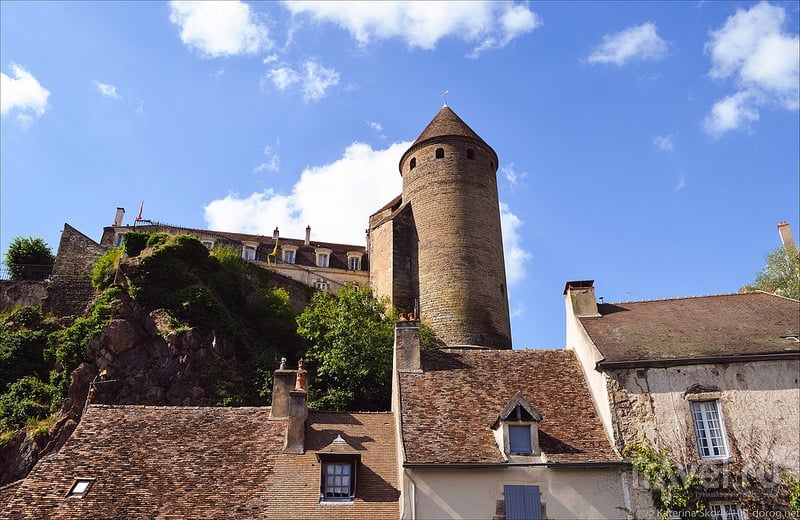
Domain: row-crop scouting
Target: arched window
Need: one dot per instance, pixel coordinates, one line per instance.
(440, 153)
(470, 154)
(413, 163)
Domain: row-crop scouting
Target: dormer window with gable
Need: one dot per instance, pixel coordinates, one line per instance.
(339, 462)
(249, 251)
(517, 428)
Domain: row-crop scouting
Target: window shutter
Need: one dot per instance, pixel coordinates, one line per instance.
(523, 502)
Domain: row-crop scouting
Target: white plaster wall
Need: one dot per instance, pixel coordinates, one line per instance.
(473, 493)
(760, 404)
(578, 340)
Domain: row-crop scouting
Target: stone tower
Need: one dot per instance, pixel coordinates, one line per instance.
(438, 247)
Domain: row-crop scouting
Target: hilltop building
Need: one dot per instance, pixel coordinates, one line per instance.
(325, 266)
(437, 249)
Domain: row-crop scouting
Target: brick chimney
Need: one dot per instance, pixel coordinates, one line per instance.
(275, 233)
(118, 217)
(406, 344)
(283, 383)
(580, 295)
(298, 413)
(308, 235)
(787, 240)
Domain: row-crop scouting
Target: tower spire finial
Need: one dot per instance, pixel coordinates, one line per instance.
(444, 95)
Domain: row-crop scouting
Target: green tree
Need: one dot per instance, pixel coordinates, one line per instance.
(781, 275)
(29, 259)
(350, 356)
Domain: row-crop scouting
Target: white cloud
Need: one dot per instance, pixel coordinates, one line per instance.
(638, 42)
(335, 199)
(516, 257)
(423, 24)
(753, 49)
(283, 77)
(664, 142)
(106, 89)
(375, 126)
(317, 80)
(271, 164)
(731, 113)
(512, 175)
(22, 93)
(219, 28)
(681, 183)
(314, 80)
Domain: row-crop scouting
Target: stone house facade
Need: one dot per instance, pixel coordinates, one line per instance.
(715, 380)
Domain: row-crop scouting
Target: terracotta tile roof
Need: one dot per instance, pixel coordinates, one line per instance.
(449, 408)
(699, 327)
(188, 462)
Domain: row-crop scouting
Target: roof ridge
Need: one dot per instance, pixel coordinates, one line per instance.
(695, 297)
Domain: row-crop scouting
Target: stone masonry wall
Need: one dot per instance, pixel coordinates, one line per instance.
(21, 292)
(462, 282)
(70, 288)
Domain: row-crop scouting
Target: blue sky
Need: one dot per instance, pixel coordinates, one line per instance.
(652, 147)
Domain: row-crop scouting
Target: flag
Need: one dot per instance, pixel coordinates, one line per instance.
(139, 216)
(274, 252)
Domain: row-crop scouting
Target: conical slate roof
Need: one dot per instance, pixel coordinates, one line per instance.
(446, 123)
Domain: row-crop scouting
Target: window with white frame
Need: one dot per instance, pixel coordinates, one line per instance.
(725, 512)
(289, 254)
(249, 253)
(323, 257)
(320, 285)
(709, 429)
(516, 428)
(208, 243)
(118, 239)
(354, 260)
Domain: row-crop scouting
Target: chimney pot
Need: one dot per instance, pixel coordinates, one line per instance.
(787, 240)
(118, 217)
(275, 233)
(308, 235)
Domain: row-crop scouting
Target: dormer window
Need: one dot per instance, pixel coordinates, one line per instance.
(339, 462)
(323, 257)
(289, 254)
(354, 260)
(249, 251)
(517, 428)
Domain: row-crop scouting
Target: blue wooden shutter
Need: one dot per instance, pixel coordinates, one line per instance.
(523, 502)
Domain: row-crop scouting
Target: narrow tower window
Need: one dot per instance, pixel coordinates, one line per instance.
(470, 154)
(413, 163)
(440, 153)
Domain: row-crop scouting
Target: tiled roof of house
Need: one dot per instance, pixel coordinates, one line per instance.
(189, 462)
(700, 327)
(448, 409)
